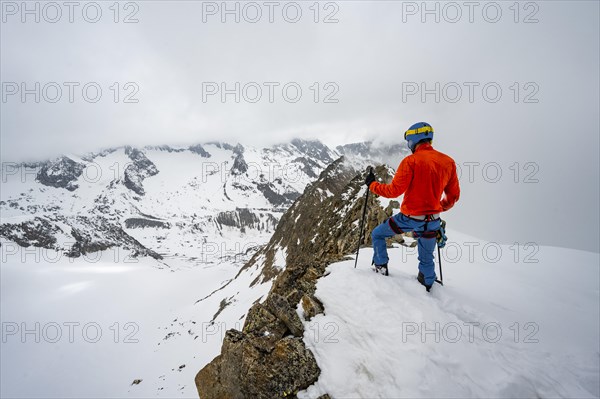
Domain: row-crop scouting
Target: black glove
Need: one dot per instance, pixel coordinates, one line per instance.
(370, 178)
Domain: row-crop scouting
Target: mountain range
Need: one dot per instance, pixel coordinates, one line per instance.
(164, 202)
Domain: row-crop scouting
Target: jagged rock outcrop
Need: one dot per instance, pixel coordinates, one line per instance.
(61, 173)
(311, 306)
(37, 232)
(308, 166)
(239, 165)
(198, 149)
(271, 194)
(85, 235)
(140, 223)
(166, 148)
(268, 358)
(244, 218)
(140, 168)
(96, 234)
(245, 371)
(323, 221)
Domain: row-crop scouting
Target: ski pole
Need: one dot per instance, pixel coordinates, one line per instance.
(362, 223)
(440, 260)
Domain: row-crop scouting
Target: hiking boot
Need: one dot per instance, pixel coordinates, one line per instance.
(421, 279)
(383, 269)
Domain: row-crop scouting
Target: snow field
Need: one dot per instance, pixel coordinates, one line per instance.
(504, 329)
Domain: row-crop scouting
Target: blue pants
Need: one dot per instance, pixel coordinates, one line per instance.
(426, 246)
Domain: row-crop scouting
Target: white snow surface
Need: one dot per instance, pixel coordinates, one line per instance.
(134, 319)
(499, 327)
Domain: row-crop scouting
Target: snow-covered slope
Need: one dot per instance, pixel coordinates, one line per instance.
(75, 328)
(501, 329)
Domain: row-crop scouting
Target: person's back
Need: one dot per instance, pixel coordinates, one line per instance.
(432, 173)
(423, 177)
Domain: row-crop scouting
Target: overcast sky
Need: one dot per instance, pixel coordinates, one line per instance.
(541, 132)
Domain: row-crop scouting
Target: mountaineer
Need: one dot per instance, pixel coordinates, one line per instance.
(428, 180)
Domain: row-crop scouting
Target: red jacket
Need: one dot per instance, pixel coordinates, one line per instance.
(422, 177)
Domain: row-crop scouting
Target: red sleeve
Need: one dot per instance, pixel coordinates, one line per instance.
(399, 184)
(451, 191)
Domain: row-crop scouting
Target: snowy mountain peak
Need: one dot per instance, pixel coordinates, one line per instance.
(314, 149)
(140, 168)
(61, 173)
(199, 149)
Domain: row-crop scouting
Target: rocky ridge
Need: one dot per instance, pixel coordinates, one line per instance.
(268, 358)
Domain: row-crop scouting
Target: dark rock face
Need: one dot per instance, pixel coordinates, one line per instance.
(99, 234)
(87, 235)
(268, 359)
(268, 190)
(38, 232)
(311, 306)
(282, 309)
(165, 148)
(137, 223)
(239, 165)
(308, 166)
(136, 172)
(85, 243)
(238, 149)
(323, 221)
(244, 218)
(198, 149)
(262, 376)
(61, 173)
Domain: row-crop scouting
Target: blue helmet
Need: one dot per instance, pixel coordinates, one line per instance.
(417, 132)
